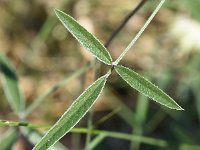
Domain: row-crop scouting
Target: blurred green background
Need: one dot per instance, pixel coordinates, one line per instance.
(168, 53)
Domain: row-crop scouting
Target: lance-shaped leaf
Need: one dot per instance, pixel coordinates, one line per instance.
(145, 87)
(71, 117)
(84, 37)
(10, 85)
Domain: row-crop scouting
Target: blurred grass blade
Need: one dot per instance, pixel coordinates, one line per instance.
(34, 137)
(107, 117)
(11, 85)
(37, 102)
(189, 147)
(94, 143)
(125, 113)
(84, 37)
(141, 115)
(125, 136)
(145, 87)
(75, 112)
(8, 139)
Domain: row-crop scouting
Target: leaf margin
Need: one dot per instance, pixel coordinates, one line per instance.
(44, 138)
(107, 60)
(171, 102)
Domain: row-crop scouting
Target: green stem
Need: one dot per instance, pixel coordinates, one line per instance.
(118, 135)
(98, 139)
(141, 113)
(23, 124)
(140, 32)
(107, 117)
(90, 128)
(146, 140)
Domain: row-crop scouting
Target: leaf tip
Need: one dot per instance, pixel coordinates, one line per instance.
(180, 108)
(56, 11)
(175, 107)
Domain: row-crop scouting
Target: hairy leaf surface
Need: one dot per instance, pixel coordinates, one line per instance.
(71, 117)
(84, 37)
(145, 87)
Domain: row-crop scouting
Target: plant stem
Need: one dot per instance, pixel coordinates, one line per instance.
(141, 113)
(124, 22)
(140, 32)
(24, 124)
(90, 128)
(125, 136)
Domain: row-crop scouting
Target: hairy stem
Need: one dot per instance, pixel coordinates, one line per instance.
(140, 32)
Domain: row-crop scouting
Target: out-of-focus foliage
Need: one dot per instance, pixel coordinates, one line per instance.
(43, 53)
(10, 84)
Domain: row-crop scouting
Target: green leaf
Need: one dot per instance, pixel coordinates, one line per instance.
(34, 136)
(84, 37)
(8, 139)
(145, 87)
(11, 85)
(71, 117)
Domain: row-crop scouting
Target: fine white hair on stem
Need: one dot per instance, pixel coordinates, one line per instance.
(140, 32)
